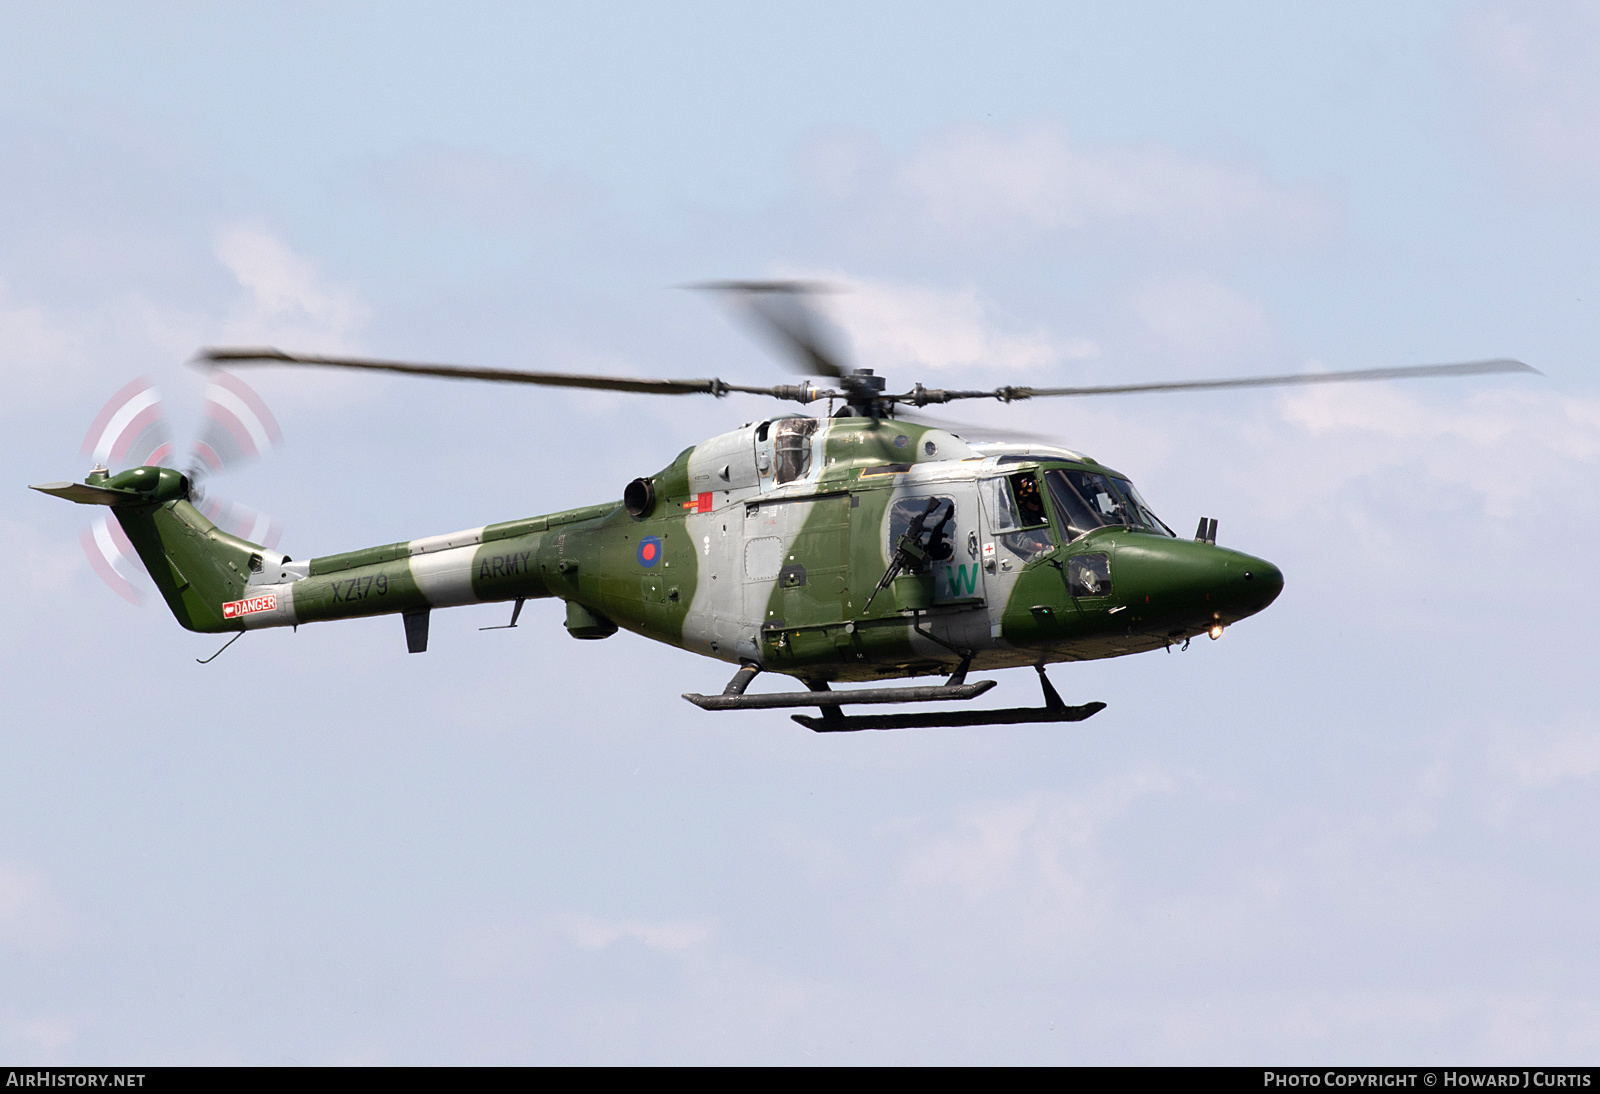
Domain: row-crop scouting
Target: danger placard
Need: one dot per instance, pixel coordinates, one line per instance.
(235, 608)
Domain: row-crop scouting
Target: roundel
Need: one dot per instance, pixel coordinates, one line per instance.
(649, 551)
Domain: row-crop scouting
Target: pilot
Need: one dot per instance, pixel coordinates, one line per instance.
(1029, 502)
(1033, 539)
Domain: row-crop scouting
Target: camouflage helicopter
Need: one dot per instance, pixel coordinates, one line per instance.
(859, 547)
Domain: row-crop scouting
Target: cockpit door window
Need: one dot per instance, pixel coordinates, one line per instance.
(1016, 513)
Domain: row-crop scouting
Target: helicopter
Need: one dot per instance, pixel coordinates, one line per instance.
(864, 546)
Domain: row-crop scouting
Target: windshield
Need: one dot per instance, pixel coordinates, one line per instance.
(1141, 512)
(1085, 501)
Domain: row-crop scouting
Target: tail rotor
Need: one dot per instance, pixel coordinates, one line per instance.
(106, 546)
(132, 430)
(238, 427)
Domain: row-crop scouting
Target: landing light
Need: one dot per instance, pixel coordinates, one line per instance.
(1216, 631)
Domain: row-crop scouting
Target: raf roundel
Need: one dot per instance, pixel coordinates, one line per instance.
(649, 551)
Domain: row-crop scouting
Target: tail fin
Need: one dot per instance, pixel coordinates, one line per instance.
(197, 566)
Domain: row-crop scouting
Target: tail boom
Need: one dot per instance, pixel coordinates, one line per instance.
(216, 582)
(491, 563)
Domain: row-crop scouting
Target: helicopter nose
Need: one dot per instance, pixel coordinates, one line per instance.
(1252, 584)
(1194, 585)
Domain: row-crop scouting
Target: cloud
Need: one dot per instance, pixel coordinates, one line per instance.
(977, 182)
(1522, 451)
(1483, 1027)
(288, 301)
(1203, 319)
(51, 563)
(55, 355)
(1035, 857)
(47, 354)
(1573, 754)
(514, 947)
(899, 325)
(669, 936)
(1540, 85)
(46, 1035)
(34, 341)
(30, 915)
(436, 184)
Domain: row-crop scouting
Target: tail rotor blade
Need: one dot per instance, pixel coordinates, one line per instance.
(131, 429)
(238, 426)
(113, 558)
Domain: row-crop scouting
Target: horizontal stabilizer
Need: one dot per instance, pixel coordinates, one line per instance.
(84, 494)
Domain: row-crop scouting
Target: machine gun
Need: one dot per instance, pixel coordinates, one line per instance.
(911, 553)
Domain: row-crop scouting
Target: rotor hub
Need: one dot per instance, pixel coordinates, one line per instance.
(863, 390)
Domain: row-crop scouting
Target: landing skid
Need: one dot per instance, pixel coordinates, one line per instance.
(822, 697)
(834, 720)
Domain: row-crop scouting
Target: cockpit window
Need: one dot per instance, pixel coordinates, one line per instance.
(1085, 501)
(1142, 512)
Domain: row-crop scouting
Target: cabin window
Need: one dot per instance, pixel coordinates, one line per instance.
(938, 524)
(791, 449)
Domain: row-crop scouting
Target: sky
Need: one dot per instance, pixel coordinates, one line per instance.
(1357, 829)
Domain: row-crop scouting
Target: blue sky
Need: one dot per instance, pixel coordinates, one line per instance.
(1357, 828)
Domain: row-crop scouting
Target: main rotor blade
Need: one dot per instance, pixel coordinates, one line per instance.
(780, 309)
(803, 393)
(923, 396)
(974, 431)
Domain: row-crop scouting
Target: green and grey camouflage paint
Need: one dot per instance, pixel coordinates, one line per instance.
(763, 545)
